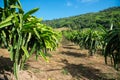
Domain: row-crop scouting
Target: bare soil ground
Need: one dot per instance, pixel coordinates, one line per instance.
(68, 62)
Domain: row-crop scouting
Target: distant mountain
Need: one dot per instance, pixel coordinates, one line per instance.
(102, 18)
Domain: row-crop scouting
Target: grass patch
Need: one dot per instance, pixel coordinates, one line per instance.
(64, 71)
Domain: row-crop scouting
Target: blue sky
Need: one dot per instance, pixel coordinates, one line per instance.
(53, 9)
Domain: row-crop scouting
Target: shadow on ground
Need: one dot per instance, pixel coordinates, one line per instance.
(5, 65)
(74, 54)
(68, 44)
(69, 47)
(79, 71)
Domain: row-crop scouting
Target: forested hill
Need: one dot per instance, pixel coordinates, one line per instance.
(102, 18)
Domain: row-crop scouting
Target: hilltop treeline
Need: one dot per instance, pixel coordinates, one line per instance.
(105, 18)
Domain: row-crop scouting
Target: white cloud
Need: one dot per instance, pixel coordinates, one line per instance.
(69, 4)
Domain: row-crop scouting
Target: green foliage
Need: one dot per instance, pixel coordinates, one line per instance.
(88, 38)
(102, 18)
(97, 38)
(23, 34)
(70, 34)
(93, 38)
(112, 48)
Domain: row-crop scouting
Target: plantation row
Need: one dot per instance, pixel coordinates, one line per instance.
(99, 38)
(23, 34)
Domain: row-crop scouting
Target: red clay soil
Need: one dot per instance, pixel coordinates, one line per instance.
(68, 62)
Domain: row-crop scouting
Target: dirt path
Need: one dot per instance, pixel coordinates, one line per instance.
(68, 62)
